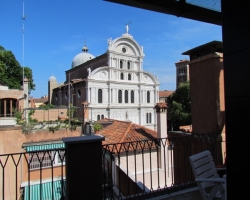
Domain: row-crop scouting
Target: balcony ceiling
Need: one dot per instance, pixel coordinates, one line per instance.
(201, 10)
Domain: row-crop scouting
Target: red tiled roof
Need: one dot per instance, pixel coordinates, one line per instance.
(40, 100)
(181, 61)
(125, 131)
(165, 93)
(161, 105)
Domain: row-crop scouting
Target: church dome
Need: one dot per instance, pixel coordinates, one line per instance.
(82, 57)
(52, 78)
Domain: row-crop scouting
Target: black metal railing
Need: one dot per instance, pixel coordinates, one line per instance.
(149, 168)
(131, 170)
(33, 175)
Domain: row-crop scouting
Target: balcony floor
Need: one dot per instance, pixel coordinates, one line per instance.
(189, 194)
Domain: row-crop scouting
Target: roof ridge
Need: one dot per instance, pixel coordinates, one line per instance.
(126, 133)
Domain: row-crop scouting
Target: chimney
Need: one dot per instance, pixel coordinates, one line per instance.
(161, 112)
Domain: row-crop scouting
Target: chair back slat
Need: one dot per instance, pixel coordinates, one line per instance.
(203, 167)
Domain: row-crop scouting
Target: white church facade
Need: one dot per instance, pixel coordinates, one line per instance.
(114, 84)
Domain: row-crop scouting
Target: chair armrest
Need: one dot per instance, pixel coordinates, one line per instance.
(217, 180)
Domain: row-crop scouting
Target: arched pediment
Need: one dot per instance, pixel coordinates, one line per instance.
(100, 73)
(126, 45)
(150, 78)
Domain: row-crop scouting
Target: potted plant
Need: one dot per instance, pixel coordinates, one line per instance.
(97, 126)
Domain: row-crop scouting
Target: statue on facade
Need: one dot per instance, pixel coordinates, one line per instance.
(127, 28)
(89, 71)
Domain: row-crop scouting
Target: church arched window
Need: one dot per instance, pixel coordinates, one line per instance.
(128, 65)
(119, 96)
(148, 118)
(98, 117)
(99, 95)
(102, 116)
(126, 96)
(122, 76)
(129, 77)
(132, 96)
(121, 64)
(148, 96)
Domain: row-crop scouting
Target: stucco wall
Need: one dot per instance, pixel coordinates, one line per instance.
(11, 141)
(207, 93)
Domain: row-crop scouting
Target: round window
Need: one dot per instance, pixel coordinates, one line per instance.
(124, 50)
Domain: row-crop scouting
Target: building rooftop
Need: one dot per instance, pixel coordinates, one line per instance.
(125, 131)
(165, 93)
(210, 47)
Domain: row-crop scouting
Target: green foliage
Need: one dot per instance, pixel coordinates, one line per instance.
(97, 126)
(179, 105)
(71, 110)
(46, 107)
(53, 128)
(27, 127)
(31, 112)
(11, 72)
(18, 115)
(76, 122)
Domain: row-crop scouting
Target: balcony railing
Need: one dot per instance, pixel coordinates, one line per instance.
(131, 170)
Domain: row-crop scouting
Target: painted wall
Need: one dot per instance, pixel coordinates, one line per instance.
(11, 141)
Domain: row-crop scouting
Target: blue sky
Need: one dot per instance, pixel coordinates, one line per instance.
(55, 31)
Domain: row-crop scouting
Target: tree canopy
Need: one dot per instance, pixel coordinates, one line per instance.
(179, 105)
(11, 72)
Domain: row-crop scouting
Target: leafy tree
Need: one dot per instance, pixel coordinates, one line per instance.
(179, 106)
(11, 72)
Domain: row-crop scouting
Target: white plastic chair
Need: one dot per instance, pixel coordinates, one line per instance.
(209, 182)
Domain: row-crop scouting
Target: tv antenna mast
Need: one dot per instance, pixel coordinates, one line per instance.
(23, 19)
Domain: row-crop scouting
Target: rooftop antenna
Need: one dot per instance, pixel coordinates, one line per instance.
(23, 19)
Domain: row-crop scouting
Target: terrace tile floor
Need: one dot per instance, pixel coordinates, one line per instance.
(189, 194)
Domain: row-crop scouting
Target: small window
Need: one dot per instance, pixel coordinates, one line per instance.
(66, 95)
(119, 96)
(148, 96)
(132, 97)
(56, 96)
(148, 118)
(126, 96)
(102, 116)
(79, 93)
(128, 65)
(122, 76)
(121, 64)
(98, 117)
(129, 77)
(100, 96)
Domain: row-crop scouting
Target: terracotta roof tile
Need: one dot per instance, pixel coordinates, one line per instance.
(161, 105)
(165, 93)
(126, 131)
(181, 61)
